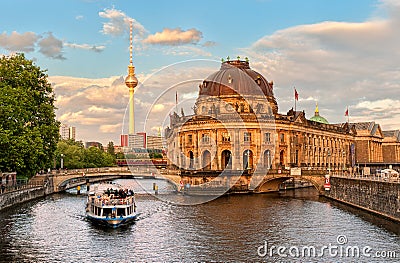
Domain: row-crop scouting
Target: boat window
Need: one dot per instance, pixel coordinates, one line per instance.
(107, 212)
(121, 212)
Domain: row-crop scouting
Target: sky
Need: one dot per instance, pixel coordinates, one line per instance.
(339, 53)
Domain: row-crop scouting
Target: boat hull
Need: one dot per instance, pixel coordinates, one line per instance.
(111, 222)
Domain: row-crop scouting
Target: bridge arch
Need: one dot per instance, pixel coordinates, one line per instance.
(271, 183)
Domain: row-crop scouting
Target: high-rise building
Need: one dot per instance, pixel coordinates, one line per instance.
(67, 132)
(72, 133)
(124, 140)
(137, 140)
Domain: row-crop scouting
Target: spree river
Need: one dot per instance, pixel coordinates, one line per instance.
(292, 226)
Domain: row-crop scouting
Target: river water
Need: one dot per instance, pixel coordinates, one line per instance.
(239, 228)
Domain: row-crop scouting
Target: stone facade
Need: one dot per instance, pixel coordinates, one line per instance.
(391, 147)
(236, 126)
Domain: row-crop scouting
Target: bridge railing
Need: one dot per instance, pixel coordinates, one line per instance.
(22, 185)
(132, 169)
(372, 177)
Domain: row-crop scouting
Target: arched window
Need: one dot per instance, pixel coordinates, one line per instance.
(226, 159)
(267, 159)
(247, 159)
(191, 160)
(206, 160)
(282, 158)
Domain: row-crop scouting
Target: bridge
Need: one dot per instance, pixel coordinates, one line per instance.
(266, 182)
(67, 179)
(274, 178)
(205, 182)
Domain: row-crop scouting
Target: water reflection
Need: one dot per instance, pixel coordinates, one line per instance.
(229, 229)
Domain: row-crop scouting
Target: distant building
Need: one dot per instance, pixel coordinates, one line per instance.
(141, 140)
(72, 133)
(93, 144)
(368, 140)
(391, 147)
(154, 142)
(124, 140)
(67, 132)
(118, 149)
(137, 140)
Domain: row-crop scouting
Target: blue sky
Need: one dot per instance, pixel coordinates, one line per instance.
(230, 24)
(335, 52)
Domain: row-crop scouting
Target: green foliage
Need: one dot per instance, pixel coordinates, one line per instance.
(110, 148)
(120, 156)
(28, 128)
(75, 156)
(156, 155)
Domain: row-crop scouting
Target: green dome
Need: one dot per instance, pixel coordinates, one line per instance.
(319, 119)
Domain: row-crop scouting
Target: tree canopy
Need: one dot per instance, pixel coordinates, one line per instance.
(29, 131)
(75, 156)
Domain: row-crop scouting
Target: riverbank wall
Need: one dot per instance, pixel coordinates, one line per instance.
(376, 196)
(25, 193)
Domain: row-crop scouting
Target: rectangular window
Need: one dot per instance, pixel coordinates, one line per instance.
(267, 137)
(190, 139)
(247, 137)
(282, 137)
(205, 138)
(226, 137)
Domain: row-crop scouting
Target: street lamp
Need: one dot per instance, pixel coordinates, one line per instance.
(62, 161)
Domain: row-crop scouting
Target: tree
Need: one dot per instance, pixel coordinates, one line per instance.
(94, 157)
(74, 154)
(110, 148)
(28, 128)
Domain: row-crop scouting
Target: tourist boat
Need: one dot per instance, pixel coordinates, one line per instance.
(110, 205)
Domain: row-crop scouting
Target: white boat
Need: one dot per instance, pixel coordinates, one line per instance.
(111, 205)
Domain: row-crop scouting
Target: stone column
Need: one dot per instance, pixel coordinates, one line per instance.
(236, 150)
(214, 162)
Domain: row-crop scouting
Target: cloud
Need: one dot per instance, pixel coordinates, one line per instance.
(79, 17)
(175, 36)
(339, 64)
(118, 24)
(158, 107)
(186, 51)
(98, 107)
(110, 128)
(209, 44)
(94, 48)
(51, 47)
(386, 112)
(24, 42)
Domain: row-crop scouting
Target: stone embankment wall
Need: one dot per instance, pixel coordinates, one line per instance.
(379, 197)
(17, 196)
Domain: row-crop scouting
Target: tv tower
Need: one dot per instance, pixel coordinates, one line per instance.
(131, 82)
